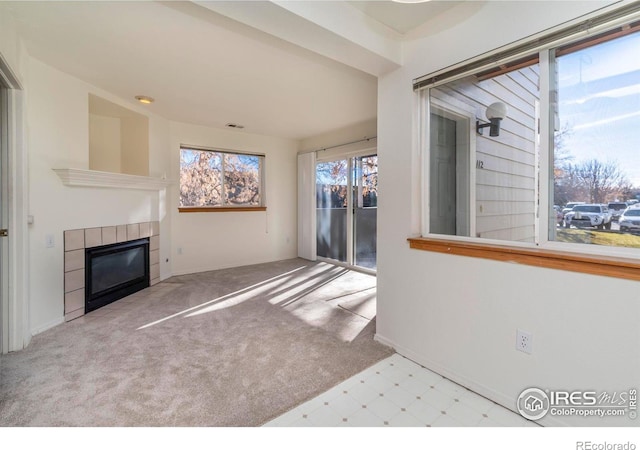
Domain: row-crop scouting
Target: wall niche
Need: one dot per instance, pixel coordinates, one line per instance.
(118, 138)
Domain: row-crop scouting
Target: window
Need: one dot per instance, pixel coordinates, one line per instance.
(220, 180)
(480, 185)
(596, 158)
(550, 168)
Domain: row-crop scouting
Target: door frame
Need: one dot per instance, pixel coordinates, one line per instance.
(465, 117)
(4, 215)
(14, 305)
(349, 155)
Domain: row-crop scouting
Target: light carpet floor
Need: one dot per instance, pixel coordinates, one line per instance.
(233, 347)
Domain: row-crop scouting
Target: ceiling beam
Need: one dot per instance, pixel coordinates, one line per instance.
(335, 30)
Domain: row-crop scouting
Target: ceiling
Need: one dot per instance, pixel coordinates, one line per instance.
(403, 17)
(205, 68)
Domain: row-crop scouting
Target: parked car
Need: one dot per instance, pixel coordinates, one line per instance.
(616, 209)
(569, 206)
(588, 215)
(630, 219)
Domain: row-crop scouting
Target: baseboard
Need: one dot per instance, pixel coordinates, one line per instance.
(47, 326)
(348, 266)
(384, 341)
(490, 394)
(195, 270)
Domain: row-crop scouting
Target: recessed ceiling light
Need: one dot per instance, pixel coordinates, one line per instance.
(410, 1)
(144, 99)
(234, 125)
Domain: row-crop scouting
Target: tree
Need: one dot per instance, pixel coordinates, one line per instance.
(566, 187)
(331, 184)
(370, 181)
(241, 179)
(203, 174)
(591, 181)
(200, 178)
(600, 180)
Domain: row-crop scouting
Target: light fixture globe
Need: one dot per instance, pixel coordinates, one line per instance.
(497, 110)
(495, 113)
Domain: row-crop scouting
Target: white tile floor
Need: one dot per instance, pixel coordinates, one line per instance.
(397, 392)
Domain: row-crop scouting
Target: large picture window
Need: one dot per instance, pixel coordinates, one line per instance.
(214, 179)
(542, 149)
(597, 138)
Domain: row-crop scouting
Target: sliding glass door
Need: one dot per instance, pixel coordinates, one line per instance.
(346, 210)
(332, 186)
(365, 210)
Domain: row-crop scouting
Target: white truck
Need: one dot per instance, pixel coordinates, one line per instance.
(589, 215)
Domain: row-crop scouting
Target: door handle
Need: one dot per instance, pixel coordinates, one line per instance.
(4, 232)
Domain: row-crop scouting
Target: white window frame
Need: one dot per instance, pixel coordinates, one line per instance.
(223, 153)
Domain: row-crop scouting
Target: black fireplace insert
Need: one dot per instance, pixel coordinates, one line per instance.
(115, 271)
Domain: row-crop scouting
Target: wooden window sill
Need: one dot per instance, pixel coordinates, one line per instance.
(196, 209)
(628, 269)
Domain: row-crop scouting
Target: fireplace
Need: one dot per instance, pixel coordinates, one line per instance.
(76, 244)
(115, 271)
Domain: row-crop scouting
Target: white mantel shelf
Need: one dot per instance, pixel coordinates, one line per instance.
(95, 178)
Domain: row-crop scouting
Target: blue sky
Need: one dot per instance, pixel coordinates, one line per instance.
(599, 93)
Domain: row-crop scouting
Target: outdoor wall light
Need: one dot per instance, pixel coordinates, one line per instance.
(495, 113)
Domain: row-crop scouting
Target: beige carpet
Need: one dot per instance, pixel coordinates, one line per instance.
(233, 347)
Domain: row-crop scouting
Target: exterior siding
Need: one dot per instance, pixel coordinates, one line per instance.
(505, 191)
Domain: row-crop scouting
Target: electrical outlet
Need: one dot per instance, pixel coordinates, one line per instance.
(49, 241)
(524, 341)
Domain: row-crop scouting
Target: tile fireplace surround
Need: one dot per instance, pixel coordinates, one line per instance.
(75, 243)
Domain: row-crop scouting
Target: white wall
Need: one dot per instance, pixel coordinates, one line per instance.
(135, 145)
(11, 47)
(459, 315)
(104, 143)
(118, 138)
(355, 132)
(58, 137)
(214, 240)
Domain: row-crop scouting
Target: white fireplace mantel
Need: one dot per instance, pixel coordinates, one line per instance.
(95, 178)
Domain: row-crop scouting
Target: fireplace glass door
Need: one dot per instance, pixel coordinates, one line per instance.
(115, 271)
